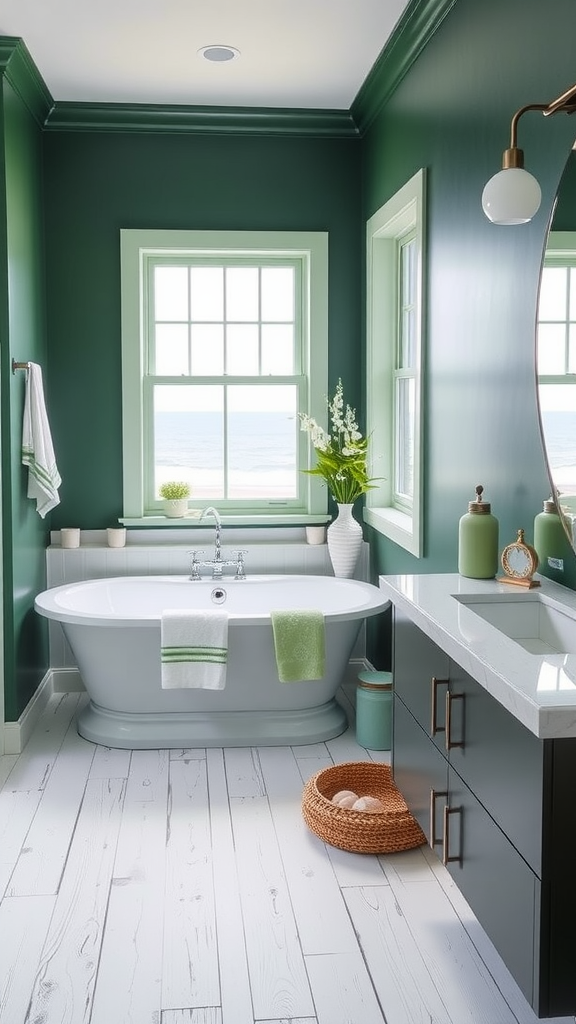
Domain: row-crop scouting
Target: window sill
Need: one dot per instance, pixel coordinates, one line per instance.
(193, 519)
(397, 526)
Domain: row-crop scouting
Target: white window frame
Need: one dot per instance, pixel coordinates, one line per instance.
(403, 214)
(135, 245)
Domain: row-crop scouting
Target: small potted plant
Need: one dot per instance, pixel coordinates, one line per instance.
(175, 494)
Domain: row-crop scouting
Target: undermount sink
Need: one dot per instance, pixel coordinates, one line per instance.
(529, 619)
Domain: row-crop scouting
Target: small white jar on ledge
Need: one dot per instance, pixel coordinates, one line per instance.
(116, 536)
(316, 534)
(70, 537)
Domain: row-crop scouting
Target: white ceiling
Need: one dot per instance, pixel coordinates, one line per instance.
(293, 53)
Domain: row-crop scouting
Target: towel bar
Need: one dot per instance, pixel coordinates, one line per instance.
(19, 366)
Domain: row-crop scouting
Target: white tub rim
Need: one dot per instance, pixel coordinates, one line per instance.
(46, 603)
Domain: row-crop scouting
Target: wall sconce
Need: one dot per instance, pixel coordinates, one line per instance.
(513, 195)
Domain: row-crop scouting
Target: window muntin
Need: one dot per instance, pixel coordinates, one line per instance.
(405, 375)
(219, 364)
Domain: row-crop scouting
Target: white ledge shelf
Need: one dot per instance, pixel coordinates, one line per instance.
(192, 520)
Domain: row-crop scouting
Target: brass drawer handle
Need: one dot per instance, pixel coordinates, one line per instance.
(434, 727)
(446, 858)
(434, 839)
(450, 743)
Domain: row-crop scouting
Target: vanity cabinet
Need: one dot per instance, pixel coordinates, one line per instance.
(495, 806)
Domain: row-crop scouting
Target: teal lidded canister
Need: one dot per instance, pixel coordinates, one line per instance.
(374, 710)
(478, 540)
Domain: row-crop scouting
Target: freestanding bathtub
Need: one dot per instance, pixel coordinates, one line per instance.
(113, 628)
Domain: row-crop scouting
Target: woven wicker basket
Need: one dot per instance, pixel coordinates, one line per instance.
(385, 831)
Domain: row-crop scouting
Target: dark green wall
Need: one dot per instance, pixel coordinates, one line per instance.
(23, 338)
(96, 184)
(564, 218)
(451, 114)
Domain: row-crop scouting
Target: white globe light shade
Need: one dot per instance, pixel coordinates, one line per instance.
(512, 196)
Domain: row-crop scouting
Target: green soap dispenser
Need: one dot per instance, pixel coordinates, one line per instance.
(478, 540)
(550, 540)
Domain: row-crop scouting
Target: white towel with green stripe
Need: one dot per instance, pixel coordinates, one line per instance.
(194, 649)
(37, 451)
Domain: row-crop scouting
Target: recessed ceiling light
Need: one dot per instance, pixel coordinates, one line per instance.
(218, 54)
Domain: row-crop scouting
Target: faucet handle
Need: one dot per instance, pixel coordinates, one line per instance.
(195, 557)
(239, 556)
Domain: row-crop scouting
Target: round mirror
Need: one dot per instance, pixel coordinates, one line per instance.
(556, 349)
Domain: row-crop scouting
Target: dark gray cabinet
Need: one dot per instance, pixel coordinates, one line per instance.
(495, 802)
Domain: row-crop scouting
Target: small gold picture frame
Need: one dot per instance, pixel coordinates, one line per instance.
(520, 562)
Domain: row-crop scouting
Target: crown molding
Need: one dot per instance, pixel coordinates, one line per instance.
(140, 117)
(418, 24)
(18, 68)
(416, 27)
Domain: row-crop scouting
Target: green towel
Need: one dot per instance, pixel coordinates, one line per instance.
(299, 643)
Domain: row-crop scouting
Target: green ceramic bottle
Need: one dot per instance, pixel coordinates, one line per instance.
(550, 541)
(478, 540)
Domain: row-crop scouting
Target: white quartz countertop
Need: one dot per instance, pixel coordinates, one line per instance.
(539, 689)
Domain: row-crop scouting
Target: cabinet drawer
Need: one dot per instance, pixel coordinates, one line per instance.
(417, 765)
(502, 763)
(418, 661)
(497, 883)
(500, 887)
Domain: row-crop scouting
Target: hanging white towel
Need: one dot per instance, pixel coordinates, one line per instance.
(194, 649)
(37, 451)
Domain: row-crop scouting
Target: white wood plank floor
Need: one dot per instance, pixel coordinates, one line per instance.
(182, 887)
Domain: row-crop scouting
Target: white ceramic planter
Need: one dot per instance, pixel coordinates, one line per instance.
(175, 508)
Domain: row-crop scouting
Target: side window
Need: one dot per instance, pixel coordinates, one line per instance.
(224, 344)
(395, 276)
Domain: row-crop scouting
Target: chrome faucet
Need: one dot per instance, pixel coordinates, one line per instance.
(217, 563)
(211, 511)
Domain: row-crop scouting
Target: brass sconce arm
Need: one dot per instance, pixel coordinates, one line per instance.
(566, 103)
(514, 157)
(515, 198)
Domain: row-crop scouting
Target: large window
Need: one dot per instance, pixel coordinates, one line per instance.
(395, 246)
(224, 345)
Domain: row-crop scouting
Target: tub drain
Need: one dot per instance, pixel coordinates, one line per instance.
(218, 595)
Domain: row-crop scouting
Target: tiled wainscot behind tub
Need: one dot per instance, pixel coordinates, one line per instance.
(166, 553)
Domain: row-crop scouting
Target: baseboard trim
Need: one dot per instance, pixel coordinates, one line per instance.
(17, 734)
(56, 680)
(67, 680)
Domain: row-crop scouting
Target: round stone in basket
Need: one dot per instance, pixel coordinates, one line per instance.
(384, 831)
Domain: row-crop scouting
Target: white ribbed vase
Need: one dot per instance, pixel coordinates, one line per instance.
(344, 538)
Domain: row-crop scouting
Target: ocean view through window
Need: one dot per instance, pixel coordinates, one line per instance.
(262, 458)
(224, 345)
